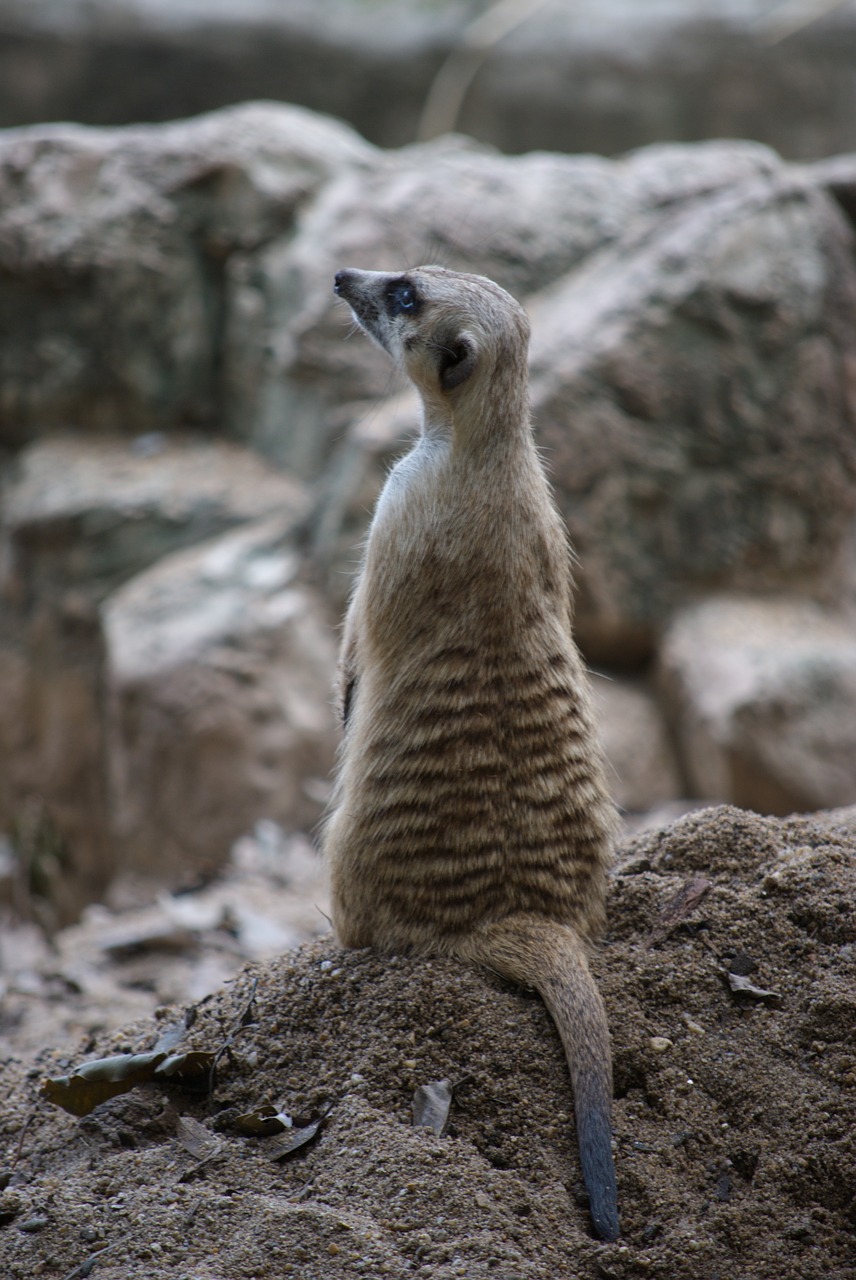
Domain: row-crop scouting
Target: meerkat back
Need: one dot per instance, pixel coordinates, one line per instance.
(471, 816)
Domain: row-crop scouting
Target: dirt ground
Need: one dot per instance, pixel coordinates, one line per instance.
(735, 1123)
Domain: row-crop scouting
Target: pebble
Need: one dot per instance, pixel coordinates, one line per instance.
(660, 1044)
(34, 1224)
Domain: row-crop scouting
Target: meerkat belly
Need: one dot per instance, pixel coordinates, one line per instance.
(472, 792)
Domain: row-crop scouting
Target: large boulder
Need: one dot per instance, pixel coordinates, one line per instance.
(692, 357)
(520, 219)
(77, 518)
(762, 697)
(114, 249)
(220, 667)
(643, 770)
(694, 387)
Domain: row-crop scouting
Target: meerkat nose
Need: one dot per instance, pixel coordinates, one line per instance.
(341, 281)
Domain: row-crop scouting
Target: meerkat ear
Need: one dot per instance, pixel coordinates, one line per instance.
(456, 360)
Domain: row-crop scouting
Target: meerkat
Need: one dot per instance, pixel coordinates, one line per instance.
(471, 817)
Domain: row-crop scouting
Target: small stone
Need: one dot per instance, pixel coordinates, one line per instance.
(34, 1224)
(660, 1044)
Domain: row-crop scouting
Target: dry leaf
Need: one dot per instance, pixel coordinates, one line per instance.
(197, 1139)
(294, 1139)
(264, 1122)
(677, 909)
(742, 986)
(95, 1082)
(431, 1104)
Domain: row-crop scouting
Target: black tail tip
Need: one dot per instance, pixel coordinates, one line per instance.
(605, 1223)
(595, 1139)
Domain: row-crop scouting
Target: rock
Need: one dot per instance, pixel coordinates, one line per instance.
(114, 246)
(83, 515)
(762, 696)
(220, 667)
(838, 175)
(644, 772)
(692, 364)
(79, 517)
(694, 388)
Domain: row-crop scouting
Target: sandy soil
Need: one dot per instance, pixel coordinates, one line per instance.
(734, 1114)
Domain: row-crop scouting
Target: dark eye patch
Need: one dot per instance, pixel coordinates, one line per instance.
(401, 299)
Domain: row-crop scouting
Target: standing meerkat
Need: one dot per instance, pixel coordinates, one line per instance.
(471, 816)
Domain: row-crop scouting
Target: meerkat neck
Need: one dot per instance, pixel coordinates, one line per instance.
(495, 437)
(484, 427)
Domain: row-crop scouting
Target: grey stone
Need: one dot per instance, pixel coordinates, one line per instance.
(78, 518)
(376, 435)
(219, 675)
(694, 388)
(525, 221)
(762, 695)
(81, 515)
(692, 360)
(114, 246)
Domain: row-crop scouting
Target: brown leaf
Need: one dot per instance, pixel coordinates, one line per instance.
(264, 1122)
(293, 1139)
(95, 1082)
(677, 909)
(197, 1139)
(191, 1070)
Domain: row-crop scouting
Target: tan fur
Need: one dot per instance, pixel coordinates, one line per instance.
(471, 816)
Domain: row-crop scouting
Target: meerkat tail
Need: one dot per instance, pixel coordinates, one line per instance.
(550, 957)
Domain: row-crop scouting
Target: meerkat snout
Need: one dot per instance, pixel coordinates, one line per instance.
(392, 311)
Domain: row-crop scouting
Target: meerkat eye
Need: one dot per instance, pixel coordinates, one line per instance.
(401, 299)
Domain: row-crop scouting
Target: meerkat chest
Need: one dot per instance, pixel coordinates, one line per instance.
(410, 486)
(451, 554)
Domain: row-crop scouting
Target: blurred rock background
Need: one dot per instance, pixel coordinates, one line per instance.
(191, 437)
(556, 75)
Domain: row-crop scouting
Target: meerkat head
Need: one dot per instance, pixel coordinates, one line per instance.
(446, 329)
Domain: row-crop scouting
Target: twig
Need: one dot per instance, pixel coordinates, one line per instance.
(450, 85)
(85, 1268)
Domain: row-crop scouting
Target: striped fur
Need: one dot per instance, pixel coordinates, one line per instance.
(471, 815)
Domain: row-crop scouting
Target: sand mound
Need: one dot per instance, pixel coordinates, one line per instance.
(734, 1115)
